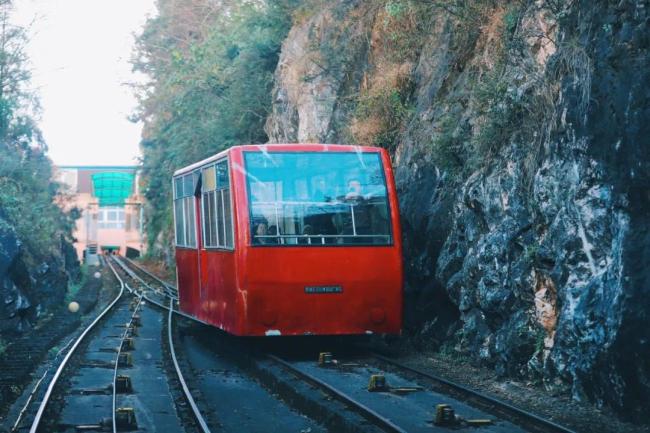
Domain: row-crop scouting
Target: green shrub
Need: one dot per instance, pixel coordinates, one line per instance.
(397, 8)
(451, 144)
(27, 192)
(207, 93)
(386, 109)
(406, 27)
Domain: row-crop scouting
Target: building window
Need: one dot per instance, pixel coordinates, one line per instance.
(217, 212)
(184, 210)
(111, 218)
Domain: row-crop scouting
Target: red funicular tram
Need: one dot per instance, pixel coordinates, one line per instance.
(290, 239)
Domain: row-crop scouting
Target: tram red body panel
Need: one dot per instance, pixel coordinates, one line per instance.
(186, 272)
(277, 299)
(221, 302)
(251, 289)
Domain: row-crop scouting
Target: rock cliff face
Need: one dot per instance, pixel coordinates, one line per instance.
(521, 150)
(30, 287)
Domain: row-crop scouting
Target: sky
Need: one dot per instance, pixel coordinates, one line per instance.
(79, 53)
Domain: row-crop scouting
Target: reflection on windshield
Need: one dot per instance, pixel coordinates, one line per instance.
(316, 198)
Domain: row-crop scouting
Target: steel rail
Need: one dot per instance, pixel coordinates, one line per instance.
(492, 400)
(364, 410)
(36, 387)
(117, 359)
(186, 390)
(152, 275)
(136, 277)
(161, 305)
(160, 281)
(64, 363)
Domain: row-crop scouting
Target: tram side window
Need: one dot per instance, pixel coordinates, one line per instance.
(217, 214)
(184, 212)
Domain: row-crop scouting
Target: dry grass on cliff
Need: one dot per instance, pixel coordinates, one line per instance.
(489, 44)
(381, 105)
(383, 99)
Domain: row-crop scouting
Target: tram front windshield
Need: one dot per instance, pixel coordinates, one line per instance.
(317, 198)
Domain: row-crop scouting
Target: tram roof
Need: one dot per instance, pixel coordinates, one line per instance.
(295, 147)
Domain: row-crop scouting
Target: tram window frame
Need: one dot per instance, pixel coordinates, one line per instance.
(216, 206)
(185, 210)
(284, 240)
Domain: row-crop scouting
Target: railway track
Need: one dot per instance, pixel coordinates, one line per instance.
(408, 404)
(200, 419)
(532, 421)
(399, 406)
(249, 407)
(110, 316)
(102, 383)
(157, 298)
(28, 363)
(138, 272)
(407, 400)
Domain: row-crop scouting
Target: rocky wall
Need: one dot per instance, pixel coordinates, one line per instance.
(31, 283)
(533, 258)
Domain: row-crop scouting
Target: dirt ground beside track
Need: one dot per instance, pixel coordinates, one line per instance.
(157, 268)
(31, 354)
(581, 417)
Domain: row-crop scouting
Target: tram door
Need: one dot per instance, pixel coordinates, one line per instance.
(199, 237)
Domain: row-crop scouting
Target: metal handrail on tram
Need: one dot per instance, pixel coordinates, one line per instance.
(317, 239)
(337, 203)
(290, 235)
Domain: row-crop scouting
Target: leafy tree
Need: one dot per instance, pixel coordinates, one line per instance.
(27, 192)
(211, 66)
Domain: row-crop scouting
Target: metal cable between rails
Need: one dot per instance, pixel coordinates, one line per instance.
(57, 374)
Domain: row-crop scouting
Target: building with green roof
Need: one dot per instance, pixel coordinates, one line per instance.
(111, 205)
